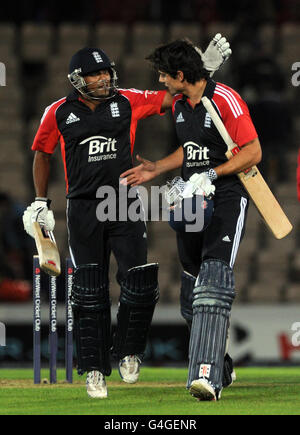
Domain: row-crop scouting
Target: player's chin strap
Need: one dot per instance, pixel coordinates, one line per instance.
(198, 184)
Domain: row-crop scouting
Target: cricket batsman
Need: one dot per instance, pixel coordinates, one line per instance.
(207, 257)
(95, 126)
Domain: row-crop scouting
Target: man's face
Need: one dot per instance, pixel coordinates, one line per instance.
(99, 82)
(173, 85)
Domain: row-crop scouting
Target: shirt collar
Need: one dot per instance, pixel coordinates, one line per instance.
(73, 96)
(208, 92)
(210, 88)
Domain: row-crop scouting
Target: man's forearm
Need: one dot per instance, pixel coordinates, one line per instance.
(173, 161)
(249, 156)
(41, 172)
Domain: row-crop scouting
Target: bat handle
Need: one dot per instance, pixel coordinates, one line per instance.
(51, 236)
(48, 234)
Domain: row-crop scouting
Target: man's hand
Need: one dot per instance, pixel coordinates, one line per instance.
(216, 54)
(38, 212)
(146, 171)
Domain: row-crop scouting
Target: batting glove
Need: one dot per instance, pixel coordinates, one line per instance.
(216, 54)
(201, 185)
(39, 212)
(198, 184)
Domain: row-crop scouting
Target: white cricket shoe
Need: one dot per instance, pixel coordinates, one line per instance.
(233, 376)
(96, 385)
(129, 369)
(202, 390)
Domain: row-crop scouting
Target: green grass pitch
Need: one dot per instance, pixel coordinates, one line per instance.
(258, 391)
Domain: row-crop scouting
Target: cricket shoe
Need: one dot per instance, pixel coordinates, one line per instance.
(96, 385)
(204, 391)
(129, 369)
(229, 375)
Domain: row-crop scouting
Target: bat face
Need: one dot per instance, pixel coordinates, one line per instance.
(260, 193)
(267, 205)
(47, 250)
(51, 267)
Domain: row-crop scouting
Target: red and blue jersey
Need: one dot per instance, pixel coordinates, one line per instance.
(203, 146)
(96, 146)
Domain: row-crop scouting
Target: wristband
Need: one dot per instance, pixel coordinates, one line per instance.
(212, 175)
(48, 201)
(41, 199)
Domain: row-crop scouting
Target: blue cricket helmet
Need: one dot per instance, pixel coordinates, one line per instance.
(90, 60)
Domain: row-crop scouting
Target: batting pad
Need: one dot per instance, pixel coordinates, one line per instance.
(186, 297)
(214, 294)
(92, 319)
(139, 296)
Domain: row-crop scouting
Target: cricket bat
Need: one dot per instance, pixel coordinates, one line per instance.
(260, 193)
(47, 250)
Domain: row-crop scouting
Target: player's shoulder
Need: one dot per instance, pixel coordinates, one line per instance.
(53, 107)
(176, 98)
(227, 90)
(132, 94)
(56, 104)
(229, 100)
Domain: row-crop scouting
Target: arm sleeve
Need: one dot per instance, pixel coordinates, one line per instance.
(235, 115)
(145, 103)
(47, 136)
(298, 176)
